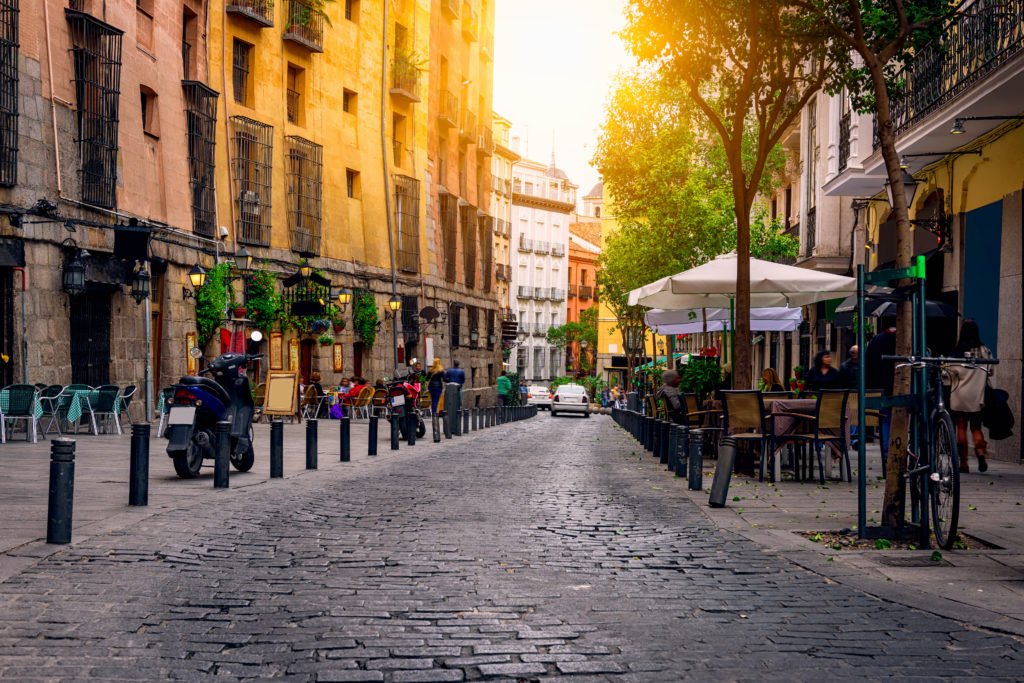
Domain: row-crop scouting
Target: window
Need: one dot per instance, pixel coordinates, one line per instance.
(348, 101)
(304, 169)
(96, 53)
(8, 92)
(398, 129)
(150, 120)
(189, 22)
(468, 220)
(240, 63)
(252, 157)
(201, 123)
(597, 212)
(352, 10)
(485, 226)
(455, 316)
(449, 233)
(352, 183)
(407, 221)
(295, 83)
(144, 23)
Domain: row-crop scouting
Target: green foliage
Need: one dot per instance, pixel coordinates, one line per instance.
(513, 397)
(700, 376)
(364, 316)
(408, 64)
(576, 332)
(325, 339)
(265, 305)
(211, 301)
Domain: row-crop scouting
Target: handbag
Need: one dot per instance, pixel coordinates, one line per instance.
(996, 414)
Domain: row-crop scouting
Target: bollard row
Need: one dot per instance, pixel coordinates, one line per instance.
(677, 447)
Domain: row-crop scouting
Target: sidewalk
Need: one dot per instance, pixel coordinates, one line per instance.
(101, 480)
(982, 587)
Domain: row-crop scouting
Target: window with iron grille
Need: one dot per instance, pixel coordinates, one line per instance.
(468, 220)
(201, 123)
(305, 187)
(96, 51)
(521, 361)
(486, 224)
(252, 155)
(474, 324)
(240, 60)
(407, 222)
(490, 327)
(455, 317)
(410, 319)
(8, 92)
(449, 233)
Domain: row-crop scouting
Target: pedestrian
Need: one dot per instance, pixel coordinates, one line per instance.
(455, 375)
(606, 397)
(849, 371)
(504, 388)
(435, 384)
(880, 375)
(967, 394)
(770, 381)
(822, 374)
(524, 393)
(669, 395)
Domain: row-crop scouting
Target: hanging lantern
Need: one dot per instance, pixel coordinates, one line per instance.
(141, 284)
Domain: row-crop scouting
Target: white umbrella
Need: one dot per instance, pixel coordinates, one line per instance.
(692, 321)
(713, 285)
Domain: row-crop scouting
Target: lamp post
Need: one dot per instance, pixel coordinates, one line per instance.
(394, 308)
(141, 287)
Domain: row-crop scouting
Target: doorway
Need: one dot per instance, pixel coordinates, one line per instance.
(305, 360)
(90, 338)
(7, 326)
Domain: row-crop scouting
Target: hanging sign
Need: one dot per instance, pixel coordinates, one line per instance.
(192, 362)
(276, 351)
(339, 359)
(293, 355)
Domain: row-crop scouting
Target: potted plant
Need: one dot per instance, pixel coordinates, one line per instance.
(326, 340)
(796, 383)
(239, 311)
(319, 325)
(339, 324)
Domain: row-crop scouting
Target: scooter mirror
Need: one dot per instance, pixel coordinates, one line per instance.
(195, 352)
(256, 336)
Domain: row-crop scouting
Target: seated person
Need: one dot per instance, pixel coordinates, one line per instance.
(314, 381)
(670, 396)
(379, 384)
(770, 381)
(358, 385)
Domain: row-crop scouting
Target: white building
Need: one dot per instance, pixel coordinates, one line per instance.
(543, 205)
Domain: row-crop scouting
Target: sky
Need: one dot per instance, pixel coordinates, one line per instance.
(553, 66)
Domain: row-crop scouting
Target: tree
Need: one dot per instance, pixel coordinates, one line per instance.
(743, 64)
(869, 40)
(573, 333)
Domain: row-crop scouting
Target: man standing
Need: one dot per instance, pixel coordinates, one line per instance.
(849, 371)
(455, 375)
(504, 387)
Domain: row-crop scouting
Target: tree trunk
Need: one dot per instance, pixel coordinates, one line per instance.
(894, 506)
(741, 348)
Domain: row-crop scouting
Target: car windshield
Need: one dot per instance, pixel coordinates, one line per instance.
(571, 389)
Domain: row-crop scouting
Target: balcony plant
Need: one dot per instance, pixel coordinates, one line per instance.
(212, 300)
(407, 65)
(364, 316)
(326, 339)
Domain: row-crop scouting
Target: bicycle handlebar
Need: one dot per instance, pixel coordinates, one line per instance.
(926, 360)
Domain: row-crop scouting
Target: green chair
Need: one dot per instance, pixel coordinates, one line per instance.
(21, 405)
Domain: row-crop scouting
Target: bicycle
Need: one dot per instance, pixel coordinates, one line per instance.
(934, 470)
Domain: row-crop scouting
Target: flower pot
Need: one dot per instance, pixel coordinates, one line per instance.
(338, 327)
(325, 343)
(240, 312)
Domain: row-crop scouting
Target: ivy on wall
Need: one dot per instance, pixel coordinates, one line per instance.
(211, 301)
(364, 316)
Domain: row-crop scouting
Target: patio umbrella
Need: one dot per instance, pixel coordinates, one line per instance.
(876, 306)
(713, 285)
(692, 321)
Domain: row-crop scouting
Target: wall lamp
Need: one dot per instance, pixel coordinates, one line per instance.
(197, 276)
(72, 277)
(141, 280)
(958, 123)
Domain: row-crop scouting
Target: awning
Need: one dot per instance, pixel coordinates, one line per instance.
(718, 319)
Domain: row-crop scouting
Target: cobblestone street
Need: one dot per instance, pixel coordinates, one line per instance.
(540, 549)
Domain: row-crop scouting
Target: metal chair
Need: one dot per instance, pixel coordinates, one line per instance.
(312, 402)
(106, 405)
(21, 405)
(747, 421)
(830, 415)
(125, 401)
(49, 400)
(164, 407)
(379, 402)
(362, 402)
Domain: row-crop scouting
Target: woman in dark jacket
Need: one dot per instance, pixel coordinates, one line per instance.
(435, 383)
(823, 375)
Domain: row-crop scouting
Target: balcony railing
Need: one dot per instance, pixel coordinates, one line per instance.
(293, 106)
(540, 330)
(405, 79)
(451, 8)
(557, 294)
(485, 142)
(258, 11)
(525, 292)
(557, 249)
(844, 141)
(812, 232)
(525, 244)
(499, 271)
(971, 46)
(586, 291)
(470, 24)
(304, 25)
(572, 291)
(498, 227)
(467, 127)
(449, 111)
(540, 293)
(541, 247)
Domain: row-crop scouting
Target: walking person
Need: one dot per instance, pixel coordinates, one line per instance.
(823, 375)
(504, 388)
(435, 384)
(967, 394)
(455, 375)
(881, 374)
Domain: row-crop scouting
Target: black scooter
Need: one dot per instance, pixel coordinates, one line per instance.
(199, 403)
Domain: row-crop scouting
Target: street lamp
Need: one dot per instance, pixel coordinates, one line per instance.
(909, 188)
(395, 304)
(305, 270)
(344, 297)
(140, 284)
(474, 337)
(197, 276)
(73, 276)
(243, 260)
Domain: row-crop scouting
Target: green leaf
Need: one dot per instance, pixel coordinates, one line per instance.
(936, 556)
(882, 544)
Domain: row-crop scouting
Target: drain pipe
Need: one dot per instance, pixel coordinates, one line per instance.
(53, 98)
(384, 164)
(24, 328)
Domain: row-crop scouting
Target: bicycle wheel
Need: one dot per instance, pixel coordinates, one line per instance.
(945, 481)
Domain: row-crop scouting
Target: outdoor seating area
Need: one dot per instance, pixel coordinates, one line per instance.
(41, 409)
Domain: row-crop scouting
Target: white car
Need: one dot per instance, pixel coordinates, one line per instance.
(570, 398)
(538, 395)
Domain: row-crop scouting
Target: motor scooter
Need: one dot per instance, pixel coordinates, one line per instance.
(402, 397)
(198, 403)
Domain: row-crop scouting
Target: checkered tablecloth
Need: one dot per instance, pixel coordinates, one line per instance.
(5, 403)
(83, 397)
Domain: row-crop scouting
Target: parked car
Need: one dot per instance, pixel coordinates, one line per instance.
(570, 398)
(538, 395)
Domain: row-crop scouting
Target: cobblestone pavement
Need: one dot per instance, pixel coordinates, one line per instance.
(537, 550)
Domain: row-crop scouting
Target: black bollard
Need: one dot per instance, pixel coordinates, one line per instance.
(656, 437)
(723, 472)
(457, 426)
(446, 424)
(311, 444)
(371, 443)
(663, 440)
(276, 449)
(474, 418)
(345, 433)
(672, 443)
(435, 425)
(138, 467)
(465, 421)
(696, 460)
(682, 446)
(62, 491)
(222, 454)
(411, 423)
(394, 432)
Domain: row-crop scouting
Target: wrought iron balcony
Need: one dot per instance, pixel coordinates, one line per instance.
(467, 127)
(525, 244)
(557, 294)
(260, 12)
(449, 110)
(970, 47)
(304, 25)
(540, 330)
(572, 291)
(540, 293)
(293, 106)
(484, 142)
(586, 291)
(541, 247)
(812, 232)
(844, 141)
(557, 249)
(525, 292)
(405, 79)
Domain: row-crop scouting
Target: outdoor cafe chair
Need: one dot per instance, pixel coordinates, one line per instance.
(50, 401)
(125, 401)
(828, 425)
(312, 402)
(361, 404)
(379, 402)
(748, 421)
(698, 418)
(163, 407)
(105, 405)
(21, 405)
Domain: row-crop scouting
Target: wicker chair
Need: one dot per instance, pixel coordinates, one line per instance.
(747, 421)
(830, 415)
